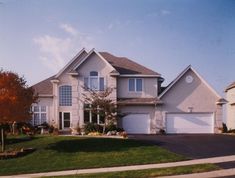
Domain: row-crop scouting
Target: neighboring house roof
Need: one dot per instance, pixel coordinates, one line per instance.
(126, 66)
(44, 87)
(139, 101)
(232, 85)
(179, 77)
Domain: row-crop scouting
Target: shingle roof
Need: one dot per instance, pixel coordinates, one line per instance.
(126, 66)
(232, 85)
(137, 101)
(121, 64)
(44, 87)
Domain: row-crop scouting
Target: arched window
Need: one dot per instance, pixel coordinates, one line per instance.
(65, 95)
(94, 81)
(94, 73)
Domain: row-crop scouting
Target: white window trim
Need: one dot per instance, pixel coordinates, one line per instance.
(95, 77)
(40, 114)
(70, 113)
(90, 115)
(135, 85)
(59, 94)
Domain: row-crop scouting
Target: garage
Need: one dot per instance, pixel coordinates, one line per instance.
(189, 123)
(136, 123)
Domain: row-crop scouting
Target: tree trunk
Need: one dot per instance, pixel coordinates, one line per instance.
(2, 139)
(104, 125)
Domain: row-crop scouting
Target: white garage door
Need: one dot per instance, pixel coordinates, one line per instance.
(190, 123)
(136, 123)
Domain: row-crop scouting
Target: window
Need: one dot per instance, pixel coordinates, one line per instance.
(94, 82)
(91, 117)
(135, 84)
(65, 95)
(39, 115)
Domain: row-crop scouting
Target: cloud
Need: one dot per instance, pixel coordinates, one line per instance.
(162, 12)
(110, 26)
(56, 51)
(165, 12)
(69, 29)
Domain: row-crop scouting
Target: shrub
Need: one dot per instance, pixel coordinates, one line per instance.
(162, 131)
(51, 129)
(92, 127)
(111, 127)
(224, 129)
(26, 128)
(231, 131)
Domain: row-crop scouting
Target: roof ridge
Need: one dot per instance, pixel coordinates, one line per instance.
(127, 59)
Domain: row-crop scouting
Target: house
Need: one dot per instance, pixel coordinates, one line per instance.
(187, 105)
(230, 106)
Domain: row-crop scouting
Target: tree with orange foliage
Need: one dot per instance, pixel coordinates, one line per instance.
(16, 99)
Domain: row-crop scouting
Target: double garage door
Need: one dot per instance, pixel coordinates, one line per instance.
(189, 123)
(175, 123)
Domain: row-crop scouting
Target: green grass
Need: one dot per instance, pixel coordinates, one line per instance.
(62, 153)
(148, 173)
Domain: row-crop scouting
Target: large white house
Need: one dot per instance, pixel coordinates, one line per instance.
(187, 105)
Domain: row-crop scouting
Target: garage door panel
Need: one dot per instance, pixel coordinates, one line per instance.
(136, 123)
(189, 123)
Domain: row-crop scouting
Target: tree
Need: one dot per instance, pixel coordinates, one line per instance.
(101, 103)
(16, 99)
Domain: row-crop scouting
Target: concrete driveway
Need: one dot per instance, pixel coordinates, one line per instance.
(193, 146)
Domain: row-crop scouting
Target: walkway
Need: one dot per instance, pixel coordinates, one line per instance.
(136, 167)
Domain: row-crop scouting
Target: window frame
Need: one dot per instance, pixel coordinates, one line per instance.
(66, 102)
(89, 109)
(97, 77)
(40, 113)
(135, 85)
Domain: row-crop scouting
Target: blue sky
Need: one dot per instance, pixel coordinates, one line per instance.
(38, 37)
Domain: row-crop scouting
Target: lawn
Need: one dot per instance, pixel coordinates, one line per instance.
(62, 153)
(148, 173)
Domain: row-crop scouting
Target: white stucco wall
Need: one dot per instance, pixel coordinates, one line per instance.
(196, 95)
(230, 108)
(149, 88)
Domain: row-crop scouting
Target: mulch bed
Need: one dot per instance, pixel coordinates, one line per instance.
(15, 153)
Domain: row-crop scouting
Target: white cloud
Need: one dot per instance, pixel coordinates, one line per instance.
(162, 12)
(56, 51)
(110, 26)
(165, 12)
(69, 29)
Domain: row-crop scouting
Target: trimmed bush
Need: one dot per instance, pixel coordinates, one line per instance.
(92, 127)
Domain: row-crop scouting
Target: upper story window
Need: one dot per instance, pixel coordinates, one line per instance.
(65, 95)
(94, 81)
(135, 84)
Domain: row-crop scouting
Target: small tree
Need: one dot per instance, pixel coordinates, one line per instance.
(16, 99)
(102, 104)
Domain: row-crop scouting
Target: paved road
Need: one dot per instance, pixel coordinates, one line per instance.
(194, 146)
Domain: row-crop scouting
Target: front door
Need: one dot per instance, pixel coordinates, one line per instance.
(64, 120)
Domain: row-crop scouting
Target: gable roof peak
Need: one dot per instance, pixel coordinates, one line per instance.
(79, 54)
(180, 76)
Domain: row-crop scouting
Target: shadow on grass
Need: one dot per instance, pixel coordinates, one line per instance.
(95, 145)
(14, 140)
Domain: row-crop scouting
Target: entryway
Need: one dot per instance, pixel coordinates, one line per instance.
(64, 120)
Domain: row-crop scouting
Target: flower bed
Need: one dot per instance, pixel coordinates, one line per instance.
(16, 153)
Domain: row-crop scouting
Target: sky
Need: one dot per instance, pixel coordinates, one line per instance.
(38, 37)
